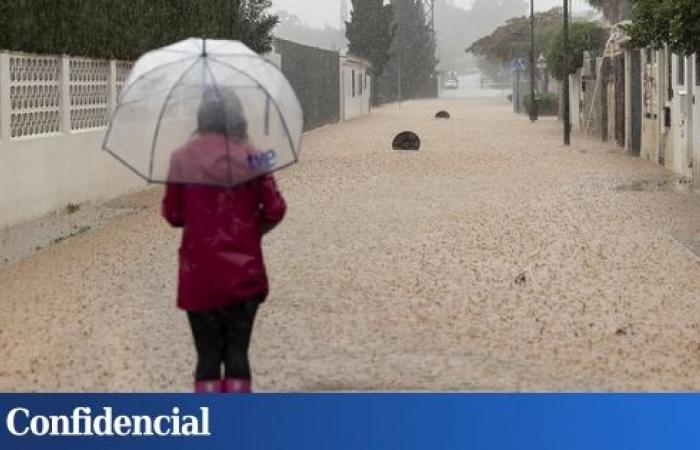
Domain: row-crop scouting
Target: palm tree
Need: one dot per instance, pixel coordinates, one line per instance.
(613, 10)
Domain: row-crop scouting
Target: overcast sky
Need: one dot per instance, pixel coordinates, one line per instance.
(319, 12)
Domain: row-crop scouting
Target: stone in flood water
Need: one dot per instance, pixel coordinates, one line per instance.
(442, 115)
(407, 140)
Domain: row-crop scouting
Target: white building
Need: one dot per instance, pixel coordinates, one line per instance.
(683, 113)
(356, 87)
(671, 114)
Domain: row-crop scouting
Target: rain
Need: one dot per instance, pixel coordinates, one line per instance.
(364, 195)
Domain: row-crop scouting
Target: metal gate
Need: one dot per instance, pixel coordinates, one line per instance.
(635, 132)
(619, 74)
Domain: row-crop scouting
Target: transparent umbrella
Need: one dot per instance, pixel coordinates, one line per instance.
(205, 112)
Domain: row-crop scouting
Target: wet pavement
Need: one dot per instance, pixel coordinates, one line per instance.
(493, 259)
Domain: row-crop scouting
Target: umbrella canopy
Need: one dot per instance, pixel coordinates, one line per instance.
(205, 112)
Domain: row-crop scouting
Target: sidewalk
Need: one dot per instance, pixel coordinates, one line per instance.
(493, 259)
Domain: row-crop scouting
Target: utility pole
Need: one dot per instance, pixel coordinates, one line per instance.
(429, 8)
(429, 12)
(692, 134)
(533, 101)
(567, 106)
(343, 14)
(516, 92)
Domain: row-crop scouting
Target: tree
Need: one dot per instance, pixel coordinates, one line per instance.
(583, 36)
(412, 53)
(488, 14)
(672, 22)
(512, 40)
(455, 26)
(370, 34)
(125, 29)
(252, 23)
(613, 10)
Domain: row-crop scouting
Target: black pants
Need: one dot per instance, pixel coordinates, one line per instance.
(222, 337)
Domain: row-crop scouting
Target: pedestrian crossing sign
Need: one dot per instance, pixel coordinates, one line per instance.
(518, 65)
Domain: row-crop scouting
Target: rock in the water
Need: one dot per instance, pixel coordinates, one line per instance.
(406, 140)
(442, 115)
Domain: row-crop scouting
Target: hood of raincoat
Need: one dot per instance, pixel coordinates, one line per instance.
(214, 158)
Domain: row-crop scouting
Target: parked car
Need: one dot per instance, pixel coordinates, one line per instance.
(452, 83)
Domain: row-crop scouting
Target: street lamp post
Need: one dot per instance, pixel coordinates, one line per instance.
(533, 100)
(567, 106)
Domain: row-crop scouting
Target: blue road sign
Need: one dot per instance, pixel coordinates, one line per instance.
(518, 64)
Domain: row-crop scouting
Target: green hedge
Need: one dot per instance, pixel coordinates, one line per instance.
(125, 29)
(548, 104)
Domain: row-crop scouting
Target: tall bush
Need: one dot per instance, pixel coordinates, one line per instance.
(125, 29)
(583, 36)
(672, 22)
(512, 40)
(547, 104)
(413, 53)
(370, 34)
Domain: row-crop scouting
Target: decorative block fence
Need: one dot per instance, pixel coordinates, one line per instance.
(45, 95)
(54, 111)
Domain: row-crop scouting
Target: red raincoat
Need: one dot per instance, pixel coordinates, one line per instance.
(221, 259)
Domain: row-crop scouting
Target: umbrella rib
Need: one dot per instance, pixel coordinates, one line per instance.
(162, 113)
(254, 55)
(161, 182)
(132, 102)
(274, 102)
(218, 93)
(123, 161)
(123, 93)
(173, 50)
(267, 114)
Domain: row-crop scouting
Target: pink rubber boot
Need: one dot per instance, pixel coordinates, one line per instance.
(209, 387)
(237, 386)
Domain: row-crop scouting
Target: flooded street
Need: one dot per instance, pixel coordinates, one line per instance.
(494, 259)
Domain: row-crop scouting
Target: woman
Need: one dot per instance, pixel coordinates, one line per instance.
(222, 277)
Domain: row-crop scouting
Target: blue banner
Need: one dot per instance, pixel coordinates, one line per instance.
(352, 421)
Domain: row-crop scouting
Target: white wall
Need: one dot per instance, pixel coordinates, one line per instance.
(628, 99)
(41, 175)
(575, 96)
(652, 104)
(680, 120)
(53, 116)
(695, 122)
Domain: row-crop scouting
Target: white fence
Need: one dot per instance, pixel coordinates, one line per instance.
(54, 111)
